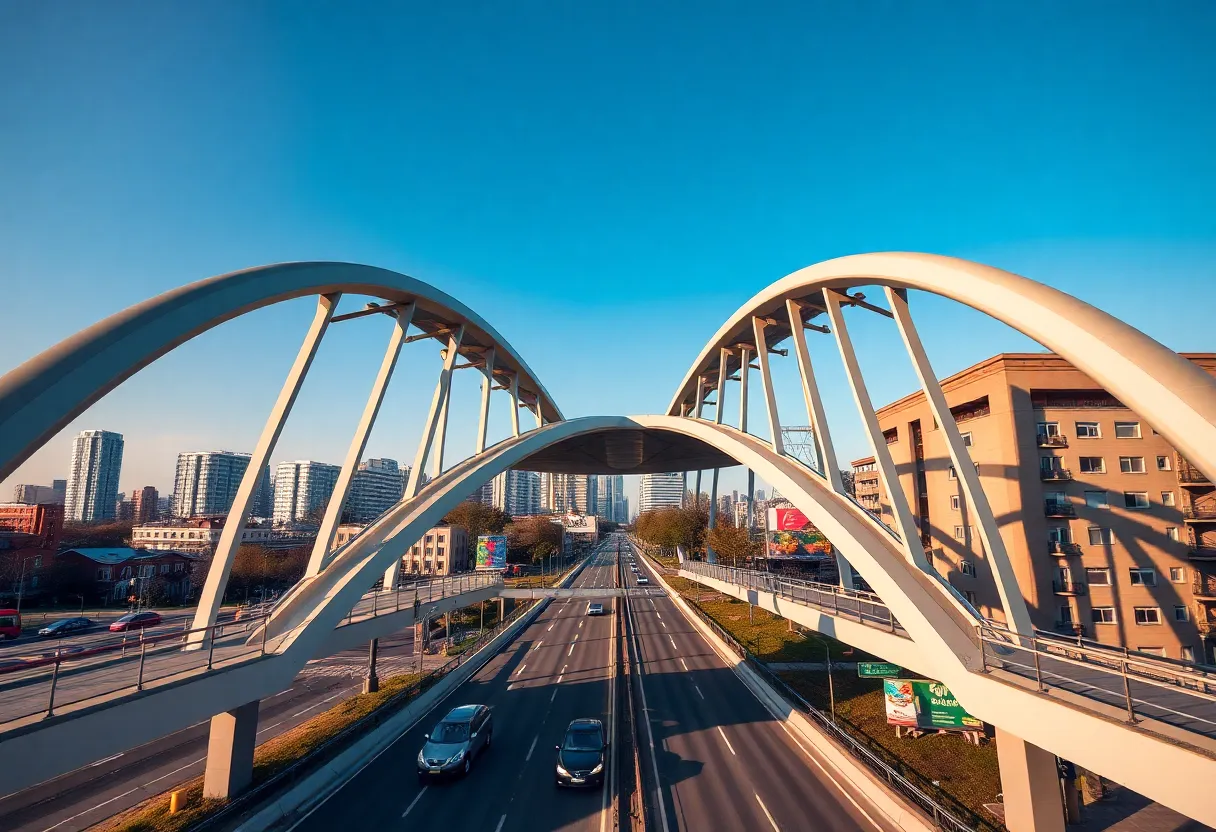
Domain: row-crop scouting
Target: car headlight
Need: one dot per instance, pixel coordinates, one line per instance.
(457, 757)
(562, 771)
(421, 759)
(598, 769)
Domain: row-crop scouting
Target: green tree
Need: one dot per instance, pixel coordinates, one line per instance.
(732, 544)
(532, 539)
(82, 536)
(477, 519)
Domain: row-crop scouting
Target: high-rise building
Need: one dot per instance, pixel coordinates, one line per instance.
(659, 490)
(609, 493)
(144, 502)
(759, 494)
(376, 487)
(516, 492)
(569, 493)
(60, 487)
(207, 481)
(92, 487)
(32, 495)
(1110, 532)
(484, 494)
(300, 488)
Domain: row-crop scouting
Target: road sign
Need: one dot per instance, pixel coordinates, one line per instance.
(878, 669)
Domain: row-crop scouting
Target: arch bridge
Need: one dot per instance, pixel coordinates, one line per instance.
(1160, 745)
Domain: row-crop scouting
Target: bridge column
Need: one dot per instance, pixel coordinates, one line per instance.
(487, 385)
(515, 405)
(371, 682)
(1030, 783)
(230, 751)
(710, 554)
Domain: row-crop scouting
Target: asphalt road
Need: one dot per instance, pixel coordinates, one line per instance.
(558, 669)
(723, 761)
(89, 795)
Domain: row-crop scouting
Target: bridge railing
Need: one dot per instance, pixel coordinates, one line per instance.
(79, 671)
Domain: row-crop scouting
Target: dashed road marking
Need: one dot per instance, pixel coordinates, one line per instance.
(414, 802)
(684, 664)
(699, 691)
(532, 747)
(503, 820)
(521, 669)
(728, 745)
(776, 828)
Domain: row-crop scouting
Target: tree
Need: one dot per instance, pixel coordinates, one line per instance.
(80, 536)
(674, 526)
(477, 519)
(732, 544)
(533, 539)
(846, 477)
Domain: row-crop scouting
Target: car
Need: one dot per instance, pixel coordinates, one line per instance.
(595, 609)
(582, 755)
(455, 742)
(135, 621)
(65, 627)
(643, 580)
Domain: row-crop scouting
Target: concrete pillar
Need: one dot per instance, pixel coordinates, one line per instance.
(1030, 783)
(230, 751)
(502, 602)
(371, 683)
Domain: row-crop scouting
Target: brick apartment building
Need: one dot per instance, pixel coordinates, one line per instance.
(1111, 533)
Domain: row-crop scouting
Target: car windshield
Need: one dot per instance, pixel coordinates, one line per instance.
(128, 617)
(583, 740)
(448, 732)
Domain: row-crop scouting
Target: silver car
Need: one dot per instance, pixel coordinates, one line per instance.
(455, 742)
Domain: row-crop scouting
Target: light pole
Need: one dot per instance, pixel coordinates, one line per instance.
(21, 581)
(827, 651)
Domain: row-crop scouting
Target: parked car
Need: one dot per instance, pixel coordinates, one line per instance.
(65, 627)
(595, 609)
(582, 755)
(455, 742)
(135, 621)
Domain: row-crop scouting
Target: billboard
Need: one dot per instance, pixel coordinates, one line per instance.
(492, 552)
(927, 705)
(580, 524)
(791, 535)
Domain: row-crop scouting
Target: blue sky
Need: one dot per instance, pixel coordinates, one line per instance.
(605, 183)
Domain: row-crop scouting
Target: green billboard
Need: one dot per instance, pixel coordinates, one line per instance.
(877, 669)
(924, 704)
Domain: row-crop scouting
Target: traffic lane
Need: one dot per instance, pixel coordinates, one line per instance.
(88, 795)
(461, 803)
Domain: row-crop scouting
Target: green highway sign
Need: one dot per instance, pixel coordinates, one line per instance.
(879, 669)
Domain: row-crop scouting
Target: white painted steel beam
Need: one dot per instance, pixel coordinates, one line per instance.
(766, 382)
(514, 405)
(487, 385)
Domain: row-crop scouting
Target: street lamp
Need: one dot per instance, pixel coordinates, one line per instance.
(21, 580)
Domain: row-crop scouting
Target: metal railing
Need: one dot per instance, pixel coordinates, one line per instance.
(1055, 474)
(1189, 474)
(1057, 508)
(77, 671)
(1052, 440)
(1068, 587)
(1060, 547)
(1204, 585)
(1199, 512)
(1182, 694)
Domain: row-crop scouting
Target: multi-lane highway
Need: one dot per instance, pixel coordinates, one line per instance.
(558, 669)
(723, 761)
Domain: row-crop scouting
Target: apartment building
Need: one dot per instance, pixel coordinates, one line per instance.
(443, 550)
(200, 535)
(1111, 534)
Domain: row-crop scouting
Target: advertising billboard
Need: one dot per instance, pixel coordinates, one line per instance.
(491, 552)
(580, 524)
(791, 535)
(927, 705)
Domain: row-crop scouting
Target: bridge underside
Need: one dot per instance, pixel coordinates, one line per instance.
(627, 451)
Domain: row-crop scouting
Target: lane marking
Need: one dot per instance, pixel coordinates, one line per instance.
(501, 821)
(106, 760)
(673, 643)
(521, 669)
(659, 615)
(580, 625)
(550, 626)
(414, 802)
(531, 748)
(175, 771)
(685, 665)
(571, 650)
(776, 828)
(280, 693)
(728, 745)
(664, 623)
(538, 644)
(86, 811)
(554, 696)
(699, 691)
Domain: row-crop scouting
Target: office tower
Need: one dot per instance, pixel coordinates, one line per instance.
(206, 483)
(60, 487)
(144, 502)
(32, 495)
(516, 492)
(484, 494)
(609, 493)
(376, 487)
(759, 494)
(569, 493)
(92, 487)
(300, 489)
(659, 490)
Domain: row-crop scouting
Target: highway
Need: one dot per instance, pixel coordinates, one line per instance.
(556, 670)
(723, 761)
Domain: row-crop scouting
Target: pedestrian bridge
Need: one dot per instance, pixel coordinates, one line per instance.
(1032, 689)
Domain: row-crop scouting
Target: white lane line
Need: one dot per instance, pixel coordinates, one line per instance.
(268, 727)
(571, 650)
(684, 664)
(175, 771)
(673, 643)
(659, 615)
(698, 691)
(554, 696)
(580, 625)
(776, 828)
(501, 821)
(521, 669)
(414, 802)
(532, 747)
(664, 623)
(538, 644)
(106, 760)
(280, 693)
(301, 713)
(86, 811)
(576, 636)
(550, 626)
(731, 747)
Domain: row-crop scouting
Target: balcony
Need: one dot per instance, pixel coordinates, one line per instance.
(1205, 627)
(1204, 586)
(1188, 474)
(1201, 552)
(1046, 474)
(1053, 440)
(1060, 547)
(1199, 514)
(1069, 628)
(1068, 587)
(1055, 508)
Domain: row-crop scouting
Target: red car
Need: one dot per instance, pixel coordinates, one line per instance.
(135, 621)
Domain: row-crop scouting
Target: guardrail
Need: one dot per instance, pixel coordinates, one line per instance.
(77, 672)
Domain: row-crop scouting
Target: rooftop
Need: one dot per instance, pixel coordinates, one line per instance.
(111, 555)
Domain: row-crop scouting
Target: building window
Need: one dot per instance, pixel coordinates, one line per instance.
(1142, 576)
(103, 574)
(1188, 653)
(960, 532)
(953, 473)
(1172, 533)
(1097, 575)
(1127, 430)
(1177, 575)
(1060, 534)
(1131, 464)
(1048, 429)
(970, 596)
(1095, 499)
(1088, 430)
(179, 567)
(1154, 651)
(1167, 498)
(38, 561)
(1148, 615)
(966, 438)
(891, 435)
(1181, 613)
(1135, 499)
(954, 502)
(1065, 614)
(1092, 465)
(1099, 536)
(967, 568)
(1103, 615)
(1163, 463)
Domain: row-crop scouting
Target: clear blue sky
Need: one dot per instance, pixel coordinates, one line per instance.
(605, 183)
